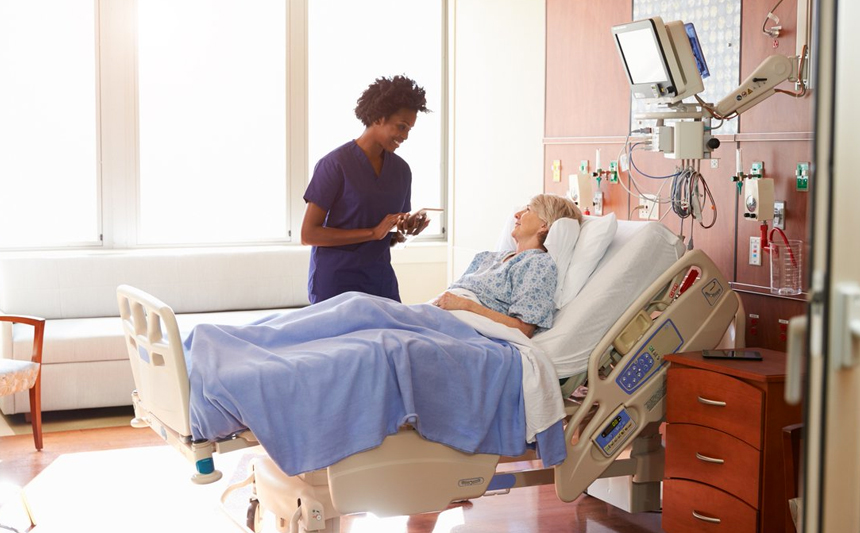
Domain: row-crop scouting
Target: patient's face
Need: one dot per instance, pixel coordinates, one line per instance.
(527, 224)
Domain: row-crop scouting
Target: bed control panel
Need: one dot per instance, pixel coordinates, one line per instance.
(615, 433)
(667, 339)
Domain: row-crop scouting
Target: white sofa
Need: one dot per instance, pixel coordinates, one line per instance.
(85, 363)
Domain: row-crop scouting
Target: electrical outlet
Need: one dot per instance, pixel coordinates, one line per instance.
(649, 207)
(556, 170)
(779, 215)
(613, 172)
(755, 251)
(715, 163)
(598, 204)
(583, 166)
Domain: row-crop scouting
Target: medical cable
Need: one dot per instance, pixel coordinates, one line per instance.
(773, 31)
(713, 112)
(787, 245)
(654, 199)
(688, 192)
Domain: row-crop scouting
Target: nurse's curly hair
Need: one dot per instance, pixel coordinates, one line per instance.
(387, 96)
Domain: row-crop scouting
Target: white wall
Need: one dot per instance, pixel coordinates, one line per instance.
(497, 118)
(421, 271)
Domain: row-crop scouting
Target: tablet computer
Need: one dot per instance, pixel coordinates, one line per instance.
(747, 355)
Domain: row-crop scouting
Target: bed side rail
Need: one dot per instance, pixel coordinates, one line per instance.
(689, 307)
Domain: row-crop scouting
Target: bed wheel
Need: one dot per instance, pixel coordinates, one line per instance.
(254, 519)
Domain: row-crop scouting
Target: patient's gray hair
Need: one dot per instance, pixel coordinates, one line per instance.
(551, 207)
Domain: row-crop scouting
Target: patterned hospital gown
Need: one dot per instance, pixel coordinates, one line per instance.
(521, 287)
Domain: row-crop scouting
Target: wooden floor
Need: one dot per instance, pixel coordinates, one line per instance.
(527, 510)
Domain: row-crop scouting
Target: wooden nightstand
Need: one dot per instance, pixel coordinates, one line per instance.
(724, 459)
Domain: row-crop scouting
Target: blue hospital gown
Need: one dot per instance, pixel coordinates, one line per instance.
(521, 287)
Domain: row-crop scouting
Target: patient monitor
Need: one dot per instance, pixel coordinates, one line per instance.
(664, 62)
(665, 65)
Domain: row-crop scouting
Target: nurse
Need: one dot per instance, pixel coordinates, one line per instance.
(358, 200)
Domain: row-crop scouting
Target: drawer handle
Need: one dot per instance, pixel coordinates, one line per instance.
(707, 459)
(711, 402)
(704, 518)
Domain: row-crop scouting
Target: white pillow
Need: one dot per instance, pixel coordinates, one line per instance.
(506, 243)
(594, 237)
(559, 243)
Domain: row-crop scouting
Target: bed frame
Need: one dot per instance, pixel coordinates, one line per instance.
(614, 448)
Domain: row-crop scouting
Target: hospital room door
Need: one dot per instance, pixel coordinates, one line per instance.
(831, 488)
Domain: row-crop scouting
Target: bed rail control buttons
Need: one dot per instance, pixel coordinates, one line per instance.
(615, 433)
(665, 340)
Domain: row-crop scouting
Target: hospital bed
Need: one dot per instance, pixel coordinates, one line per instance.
(649, 299)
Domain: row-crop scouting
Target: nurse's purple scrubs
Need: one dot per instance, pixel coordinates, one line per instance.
(345, 184)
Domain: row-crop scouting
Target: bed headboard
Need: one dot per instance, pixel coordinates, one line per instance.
(638, 255)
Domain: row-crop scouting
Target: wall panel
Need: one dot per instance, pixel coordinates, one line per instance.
(583, 69)
(588, 107)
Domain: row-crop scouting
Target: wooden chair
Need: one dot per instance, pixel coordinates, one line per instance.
(18, 376)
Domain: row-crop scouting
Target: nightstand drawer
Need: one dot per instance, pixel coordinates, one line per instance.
(715, 400)
(696, 508)
(713, 457)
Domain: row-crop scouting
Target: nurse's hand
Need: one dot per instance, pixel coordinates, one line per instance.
(387, 224)
(414, 224)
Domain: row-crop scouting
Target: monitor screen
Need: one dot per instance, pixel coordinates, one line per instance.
(643, 56)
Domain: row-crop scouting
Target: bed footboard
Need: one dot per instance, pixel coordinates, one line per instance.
(161, 395)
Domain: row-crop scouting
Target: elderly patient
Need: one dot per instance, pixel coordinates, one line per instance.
(516, 288)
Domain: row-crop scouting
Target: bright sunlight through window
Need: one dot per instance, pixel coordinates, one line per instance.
(48, 161)
(213, 123)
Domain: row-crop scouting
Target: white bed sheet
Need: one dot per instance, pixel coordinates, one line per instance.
(639, 253)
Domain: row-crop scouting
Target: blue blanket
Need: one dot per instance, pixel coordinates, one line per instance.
(333, 379)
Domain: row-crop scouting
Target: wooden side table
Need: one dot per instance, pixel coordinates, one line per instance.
(724, 453)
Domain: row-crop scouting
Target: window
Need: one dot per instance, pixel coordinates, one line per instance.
(392, 42)
(189, 122)
(212, 121)
(49, 183)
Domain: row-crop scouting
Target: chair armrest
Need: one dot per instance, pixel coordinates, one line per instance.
(38, 324)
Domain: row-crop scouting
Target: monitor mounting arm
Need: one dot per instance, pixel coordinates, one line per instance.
(758, 86)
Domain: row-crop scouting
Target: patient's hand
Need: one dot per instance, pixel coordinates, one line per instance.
(452, 302)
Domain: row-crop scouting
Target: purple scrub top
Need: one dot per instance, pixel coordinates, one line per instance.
(345, 184)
